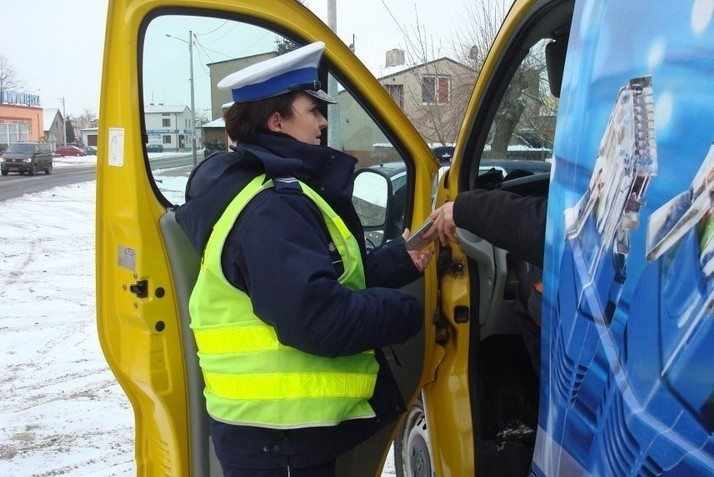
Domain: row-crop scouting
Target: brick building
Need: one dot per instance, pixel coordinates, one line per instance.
(21, 118)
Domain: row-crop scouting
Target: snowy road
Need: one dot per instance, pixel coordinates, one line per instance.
(61, 411)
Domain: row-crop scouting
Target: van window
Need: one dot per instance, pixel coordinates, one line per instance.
(524, 125)
(219, 48)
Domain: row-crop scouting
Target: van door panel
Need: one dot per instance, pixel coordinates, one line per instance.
(509, 121)
(145, 268)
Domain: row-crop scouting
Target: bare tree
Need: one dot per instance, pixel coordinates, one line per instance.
(440, 121)
(527, 102)
(524, 104)
(440, 87)
(518, 116)
(444, 87)
(202, 116)
(473, 38)
(9, 80)
(88, 116)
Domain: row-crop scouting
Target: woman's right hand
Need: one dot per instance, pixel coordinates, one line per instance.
(422, 257)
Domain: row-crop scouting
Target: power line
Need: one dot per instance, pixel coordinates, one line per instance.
(394, 18)
(423, 41)
(215, 29)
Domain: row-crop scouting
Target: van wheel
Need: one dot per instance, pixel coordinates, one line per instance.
(33, 170)
(412, 449)
(48, 171)
(5, 173)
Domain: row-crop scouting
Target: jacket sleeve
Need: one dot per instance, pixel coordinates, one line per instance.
(278, 249)
(390, 265)
(507, 220)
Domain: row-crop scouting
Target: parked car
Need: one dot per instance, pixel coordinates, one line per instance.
(154, 148)
(30, 157)
(443, 154)
(381, 203)
(90, 151)
(69, 150)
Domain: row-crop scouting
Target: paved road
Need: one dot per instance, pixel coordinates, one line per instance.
(16, 185)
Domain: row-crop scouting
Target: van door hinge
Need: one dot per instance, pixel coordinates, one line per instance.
(140, 288)
(446, 264)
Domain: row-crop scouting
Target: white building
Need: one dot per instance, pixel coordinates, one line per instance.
(169, 125)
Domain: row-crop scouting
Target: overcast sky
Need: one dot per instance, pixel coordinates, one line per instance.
(56, 47)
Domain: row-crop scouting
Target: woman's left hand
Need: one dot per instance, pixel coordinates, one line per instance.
(421, 258)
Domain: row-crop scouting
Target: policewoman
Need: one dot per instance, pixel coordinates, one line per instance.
(289, 310)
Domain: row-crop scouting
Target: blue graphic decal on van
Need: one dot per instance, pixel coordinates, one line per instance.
(628, 318)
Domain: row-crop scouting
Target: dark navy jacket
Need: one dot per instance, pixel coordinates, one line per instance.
(482, 213)
(279, 252)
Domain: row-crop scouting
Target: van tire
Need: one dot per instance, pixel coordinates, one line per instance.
(412, 448)
(33, 170)
(48, 171)
(5, 173)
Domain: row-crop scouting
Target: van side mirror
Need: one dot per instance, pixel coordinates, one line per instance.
(372, 189)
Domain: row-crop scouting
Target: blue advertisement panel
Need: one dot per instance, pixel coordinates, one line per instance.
(628, 318)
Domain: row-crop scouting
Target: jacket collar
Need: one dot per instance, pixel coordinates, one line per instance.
(323, 168)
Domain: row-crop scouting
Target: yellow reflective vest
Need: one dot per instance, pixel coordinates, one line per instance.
(253, 379)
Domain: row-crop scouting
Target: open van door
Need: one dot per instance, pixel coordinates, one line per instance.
(506, 143)
(158, 73)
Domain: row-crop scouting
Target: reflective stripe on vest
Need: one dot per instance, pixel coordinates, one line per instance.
(253, 379)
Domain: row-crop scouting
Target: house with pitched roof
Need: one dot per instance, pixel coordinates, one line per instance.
(53, 126)
(433, 95)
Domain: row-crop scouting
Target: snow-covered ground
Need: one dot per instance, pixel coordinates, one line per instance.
(61, 411)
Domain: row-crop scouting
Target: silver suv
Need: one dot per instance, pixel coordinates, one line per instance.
(30, 157)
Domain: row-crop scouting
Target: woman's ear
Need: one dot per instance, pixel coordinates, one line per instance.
(274, 122)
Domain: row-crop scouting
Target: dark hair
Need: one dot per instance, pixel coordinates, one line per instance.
(245, 120)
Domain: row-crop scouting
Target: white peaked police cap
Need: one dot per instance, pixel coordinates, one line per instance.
(293, 71)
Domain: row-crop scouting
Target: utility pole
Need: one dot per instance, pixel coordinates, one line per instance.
(193, 107)
(64, 122)
(333, 116)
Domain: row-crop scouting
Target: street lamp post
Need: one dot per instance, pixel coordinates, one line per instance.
(193, 108)
(333, 118)
(64, 122)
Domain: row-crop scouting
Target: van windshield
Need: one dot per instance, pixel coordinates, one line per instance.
(21, 148)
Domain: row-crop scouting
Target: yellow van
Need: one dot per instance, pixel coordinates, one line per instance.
(615, 91)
